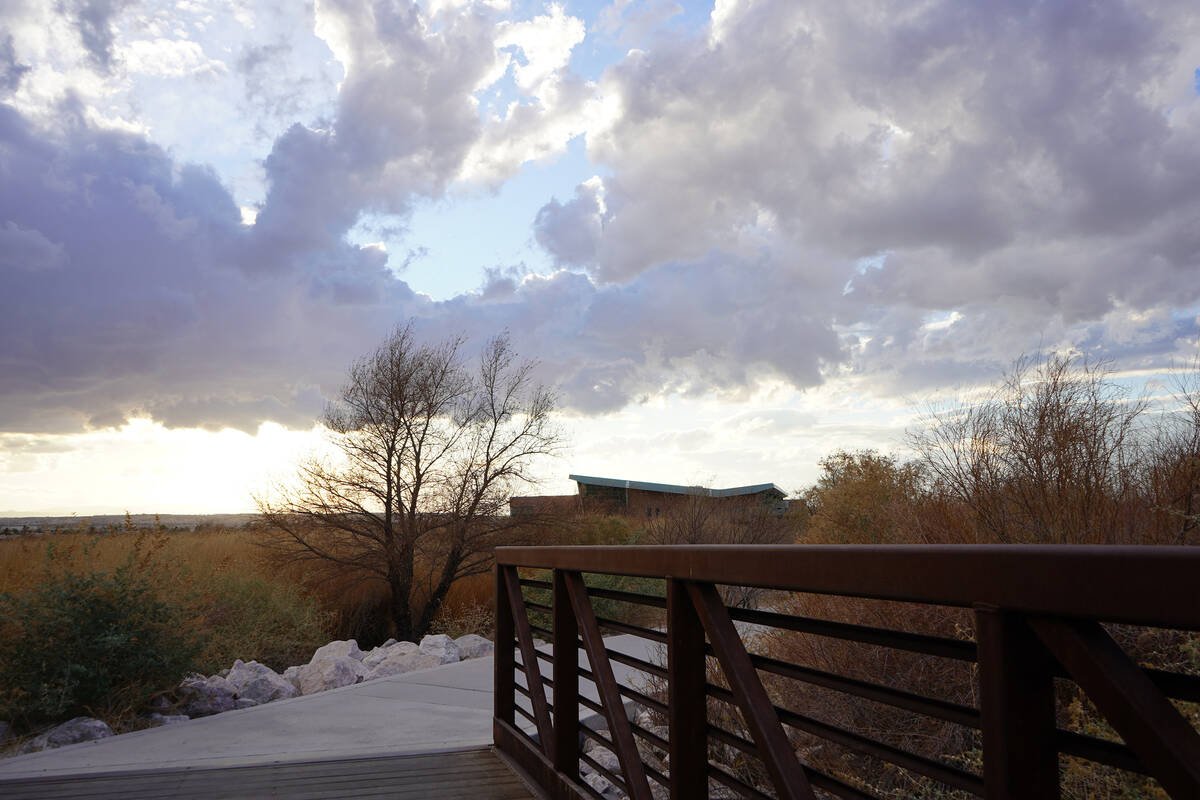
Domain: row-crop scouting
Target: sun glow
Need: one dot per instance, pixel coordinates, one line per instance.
(144, 467)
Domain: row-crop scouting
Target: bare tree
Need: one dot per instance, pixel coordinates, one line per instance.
(1053, 456)
(1173, 468)
(429, 451)
(698, 518)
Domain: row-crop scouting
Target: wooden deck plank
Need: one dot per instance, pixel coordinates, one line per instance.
(281, 775)
(472, 773)
(144, 787)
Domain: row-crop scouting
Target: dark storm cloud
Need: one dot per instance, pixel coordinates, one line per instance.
(93, 19)
(135, 290)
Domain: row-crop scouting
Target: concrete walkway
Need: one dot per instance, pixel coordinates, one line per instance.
(444, 708)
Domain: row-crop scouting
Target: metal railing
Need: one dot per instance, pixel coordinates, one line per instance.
(1037, 615)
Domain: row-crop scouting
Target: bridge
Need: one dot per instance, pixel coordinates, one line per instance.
(762, 672)
(1004, 625)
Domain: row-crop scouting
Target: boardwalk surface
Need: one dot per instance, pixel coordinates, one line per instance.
(423, 734)
(477, 774)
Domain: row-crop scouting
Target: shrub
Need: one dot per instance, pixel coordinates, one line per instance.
(97, 643)
(239, 615)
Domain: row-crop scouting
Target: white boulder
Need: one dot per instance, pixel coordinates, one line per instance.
(385, 651)
(260, 683)
(442, 646)
(400, 661)
(205, 696)
(347, 648)
(80, 729)
(329, 672)
(292, 676)
(473, 646)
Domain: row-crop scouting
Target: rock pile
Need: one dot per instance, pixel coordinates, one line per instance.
(80, 729)
(336, 664)
(249, 683)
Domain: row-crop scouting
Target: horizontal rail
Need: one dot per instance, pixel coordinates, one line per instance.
(1136, 585)
(1102, 751)
(625, 691)
(637, 598)
(738, 785)
(885, 637)
(608, 774)
(897, 698)
(818, 779)
(635, 630)
(652, 773)
(636, 663)
(536, 584)
(952, 776)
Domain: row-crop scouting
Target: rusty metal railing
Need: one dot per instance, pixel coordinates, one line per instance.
(1039, 614)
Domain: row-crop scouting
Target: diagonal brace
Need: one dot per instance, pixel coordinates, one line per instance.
(606, 686)
(789, 777)
(533, 675)
(1132, 704)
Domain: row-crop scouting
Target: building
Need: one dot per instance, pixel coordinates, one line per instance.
(642, 499)
(556, 504)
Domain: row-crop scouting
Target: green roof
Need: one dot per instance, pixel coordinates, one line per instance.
(671, 488)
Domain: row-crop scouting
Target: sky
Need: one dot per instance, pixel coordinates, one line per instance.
(735, 236)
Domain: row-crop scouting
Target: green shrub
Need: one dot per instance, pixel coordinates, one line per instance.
(247, 617)
(96, 643)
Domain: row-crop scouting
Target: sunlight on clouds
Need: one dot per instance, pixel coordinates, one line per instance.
(168, 58)
(146, 468)
(778, 435)
(557, 106)
(546, 42)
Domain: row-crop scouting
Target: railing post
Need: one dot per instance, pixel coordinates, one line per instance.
(686, 699)
(566, 681)
(503, 694)
(1016, 702)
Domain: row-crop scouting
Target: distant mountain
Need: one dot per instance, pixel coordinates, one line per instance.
(190, 521)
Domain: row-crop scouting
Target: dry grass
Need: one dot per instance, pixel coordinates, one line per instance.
(232, 597)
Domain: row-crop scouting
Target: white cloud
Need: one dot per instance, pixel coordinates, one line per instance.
(167, 58)
(553, 105)
(1033, 186)
(546, 42)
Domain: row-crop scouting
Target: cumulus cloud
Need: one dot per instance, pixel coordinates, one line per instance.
(25, 249)
(168, 58)
(552, 105)
(632, 21)
(132, 286)
(997, 160)
(910, 193)
(570, 231)
(93, 19)
(11, 70)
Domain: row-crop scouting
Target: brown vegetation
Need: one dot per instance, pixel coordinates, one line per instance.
(1059, 454)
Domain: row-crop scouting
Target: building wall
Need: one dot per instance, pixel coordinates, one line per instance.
(647, 505)
(544, 504)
